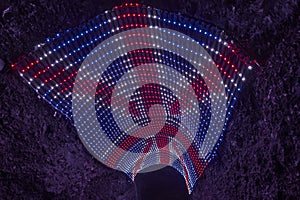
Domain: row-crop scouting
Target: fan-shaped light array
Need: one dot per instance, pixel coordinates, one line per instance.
(142, 86)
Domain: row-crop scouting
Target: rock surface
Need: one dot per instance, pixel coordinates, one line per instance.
(1, 64)
(43, 158)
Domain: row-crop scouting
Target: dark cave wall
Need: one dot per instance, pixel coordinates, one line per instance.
(43, 158)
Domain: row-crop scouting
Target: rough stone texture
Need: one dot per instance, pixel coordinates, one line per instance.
(43, 158)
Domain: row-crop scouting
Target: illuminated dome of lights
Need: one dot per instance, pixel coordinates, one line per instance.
(142, 86)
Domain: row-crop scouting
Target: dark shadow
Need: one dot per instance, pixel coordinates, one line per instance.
(164, 184)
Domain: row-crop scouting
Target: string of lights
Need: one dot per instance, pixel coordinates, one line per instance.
(142, 86)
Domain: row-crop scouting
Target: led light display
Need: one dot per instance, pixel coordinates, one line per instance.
(142, 86)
